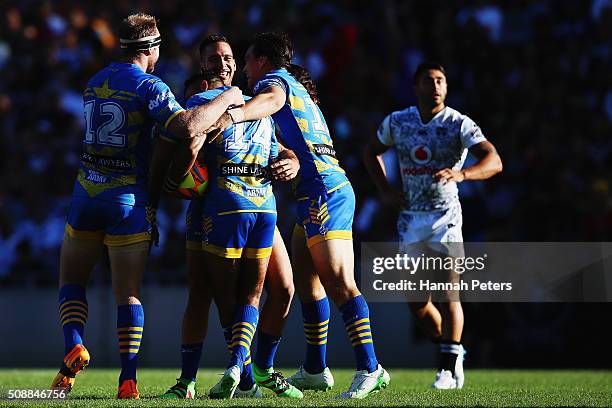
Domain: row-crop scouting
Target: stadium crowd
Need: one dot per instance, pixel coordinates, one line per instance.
(535, 75)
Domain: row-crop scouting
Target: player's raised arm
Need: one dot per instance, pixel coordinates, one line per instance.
(265, 103)
(195, 122)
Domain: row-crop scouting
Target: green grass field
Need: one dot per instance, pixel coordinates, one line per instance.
(497, 388)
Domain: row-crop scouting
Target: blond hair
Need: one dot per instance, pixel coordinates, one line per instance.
(136, 26)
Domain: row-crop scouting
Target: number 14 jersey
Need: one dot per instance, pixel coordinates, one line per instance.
(238, 164)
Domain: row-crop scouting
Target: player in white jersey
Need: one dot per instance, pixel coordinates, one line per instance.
(432, 141)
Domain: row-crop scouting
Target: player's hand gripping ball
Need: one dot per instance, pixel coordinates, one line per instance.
(195, 182)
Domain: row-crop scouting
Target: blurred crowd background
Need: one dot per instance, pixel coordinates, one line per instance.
(535, 75)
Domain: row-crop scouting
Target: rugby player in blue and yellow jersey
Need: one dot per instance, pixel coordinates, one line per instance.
(238, 225)
(122, 102)
(216, 57)
(322, 240)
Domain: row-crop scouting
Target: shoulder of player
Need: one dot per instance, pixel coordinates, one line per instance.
(270, 79)
(146, 79)
(402, 116)
(452, 116)
(457, 117)
(200, 98)
(277, 73)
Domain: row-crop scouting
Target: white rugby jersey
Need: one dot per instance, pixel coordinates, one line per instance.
(424, 149)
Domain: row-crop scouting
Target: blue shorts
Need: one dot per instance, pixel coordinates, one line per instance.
(328, 215)
(194, 225)
(113, 224)
(241, 233)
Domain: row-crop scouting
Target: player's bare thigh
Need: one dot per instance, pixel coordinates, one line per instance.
(198, 278)
(128, 263)
(279, 277)
(279, 272)
(307, 282)
(334, 263)
(78, 257)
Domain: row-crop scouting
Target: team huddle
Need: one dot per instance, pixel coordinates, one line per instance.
(140, 143)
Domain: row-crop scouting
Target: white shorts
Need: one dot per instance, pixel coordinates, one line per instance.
(438, 227)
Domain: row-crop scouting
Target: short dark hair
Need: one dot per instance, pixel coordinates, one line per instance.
(212, 39)
(424, 67)
(195, 78)
(276, 47)
(210, 75)
(206, 75)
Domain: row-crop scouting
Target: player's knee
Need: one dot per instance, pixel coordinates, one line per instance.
(253, 298)
(289, 292)
(310, 293)
(282, 295)
(341, 292)
(127, 291)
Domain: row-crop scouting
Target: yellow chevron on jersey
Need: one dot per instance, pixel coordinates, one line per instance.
(303, 124)
(297, 103)
(91, 182)
(258, 201)
(322, 166)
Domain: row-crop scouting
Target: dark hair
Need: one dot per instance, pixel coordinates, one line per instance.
(195, 78)
(212, 39)
(210, 75)
(278, 49)
(424, 67)
(206, 75)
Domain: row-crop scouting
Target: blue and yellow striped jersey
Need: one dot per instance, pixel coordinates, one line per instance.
(238, 162)
(121, 105)
(304, 130)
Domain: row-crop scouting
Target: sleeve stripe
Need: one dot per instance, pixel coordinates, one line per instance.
(172, 117)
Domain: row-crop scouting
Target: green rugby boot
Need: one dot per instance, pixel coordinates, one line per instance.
(273, 380)
(183, 389)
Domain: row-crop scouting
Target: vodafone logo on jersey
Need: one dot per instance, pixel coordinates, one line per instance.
(421, 154)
